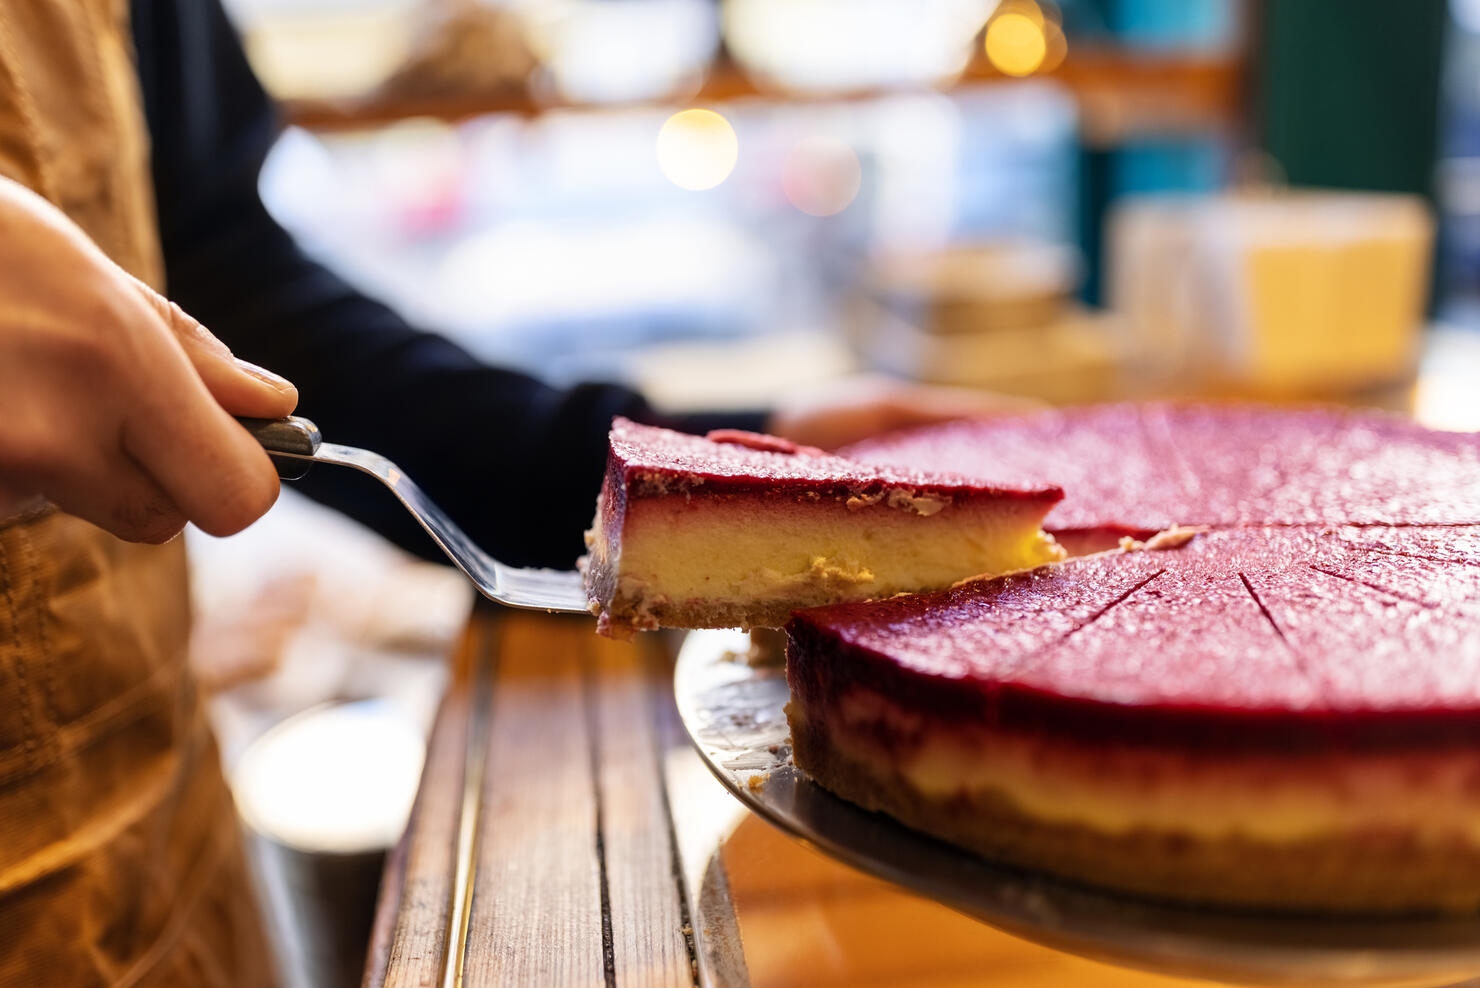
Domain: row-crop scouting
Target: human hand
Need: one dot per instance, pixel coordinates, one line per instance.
(855, 408)
(114, 404)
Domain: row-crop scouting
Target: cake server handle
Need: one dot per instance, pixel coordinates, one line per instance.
(295, 444)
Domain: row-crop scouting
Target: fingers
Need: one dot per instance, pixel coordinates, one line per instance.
(186, 439)
(116, 494)
(114, 404)
(182, 437)
(203, 460)
(97, 483)
(240, 387)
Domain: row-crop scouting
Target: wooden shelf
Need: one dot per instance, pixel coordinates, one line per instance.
(1120, 95)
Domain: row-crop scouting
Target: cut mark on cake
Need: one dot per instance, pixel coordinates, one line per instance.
(1110, 606)
(1421, 602)
(1278, 631)
(1258, 602)
(1411, 555)
(1387, 523)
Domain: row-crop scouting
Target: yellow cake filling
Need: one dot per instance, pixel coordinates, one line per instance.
(1119, 790)
(816, 551)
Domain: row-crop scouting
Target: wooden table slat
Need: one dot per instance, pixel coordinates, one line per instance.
(650, 944)
(536, 905)
(418, 885)
(547, 846)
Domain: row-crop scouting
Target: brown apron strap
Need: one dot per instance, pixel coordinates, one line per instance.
(120, 858)
(71, 123)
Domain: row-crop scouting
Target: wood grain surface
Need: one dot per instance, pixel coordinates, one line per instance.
(567, 836)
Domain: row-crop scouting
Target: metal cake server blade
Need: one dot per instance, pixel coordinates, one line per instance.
(295, 443)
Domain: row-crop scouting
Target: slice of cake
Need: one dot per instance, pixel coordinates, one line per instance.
(1283, 712)
(738, 530)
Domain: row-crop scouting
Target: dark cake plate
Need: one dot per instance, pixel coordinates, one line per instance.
(733, 711)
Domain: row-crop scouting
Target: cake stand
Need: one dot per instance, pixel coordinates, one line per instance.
(733, 711)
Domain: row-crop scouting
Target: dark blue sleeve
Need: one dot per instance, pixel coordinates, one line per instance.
(514, 461)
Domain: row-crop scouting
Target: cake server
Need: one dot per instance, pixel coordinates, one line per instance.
(295, 444)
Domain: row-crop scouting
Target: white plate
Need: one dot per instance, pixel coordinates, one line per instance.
(733, 711)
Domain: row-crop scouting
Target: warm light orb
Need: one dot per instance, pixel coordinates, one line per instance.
(821, 176)
(697, 149)
(1016, 43)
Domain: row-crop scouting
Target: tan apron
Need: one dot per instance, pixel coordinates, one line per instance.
(120, 860)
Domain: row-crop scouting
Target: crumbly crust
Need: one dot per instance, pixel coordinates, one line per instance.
(638, 612)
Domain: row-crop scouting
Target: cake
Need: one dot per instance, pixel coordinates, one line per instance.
(1137, 469)
(1283, 712)
(739, 529)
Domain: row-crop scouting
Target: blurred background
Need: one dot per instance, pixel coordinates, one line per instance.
(717, 200)
(1077, 201)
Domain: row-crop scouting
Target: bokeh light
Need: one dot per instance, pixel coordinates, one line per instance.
(1016, 42)
(697, 149)
(1058, 46)
(821, 176)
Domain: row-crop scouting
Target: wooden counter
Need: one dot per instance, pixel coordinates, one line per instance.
(566, 835)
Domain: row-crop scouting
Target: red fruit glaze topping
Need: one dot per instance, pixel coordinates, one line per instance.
(761, 441)
(1145, 467)
(1250, 638)
(1336, 602)
(746, 462)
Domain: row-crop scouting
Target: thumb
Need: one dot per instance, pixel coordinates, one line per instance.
(239, 387)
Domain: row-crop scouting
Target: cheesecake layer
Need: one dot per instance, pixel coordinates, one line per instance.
(1375, 869)
(741, 530)
(1119, 789)
(723, 561)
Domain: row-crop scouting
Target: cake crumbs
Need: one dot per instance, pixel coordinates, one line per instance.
(1174, 537)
